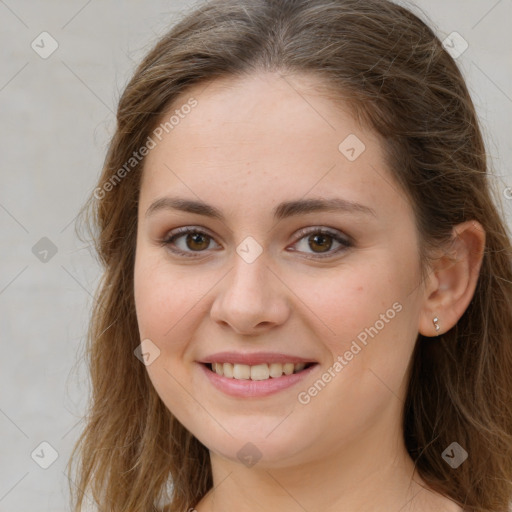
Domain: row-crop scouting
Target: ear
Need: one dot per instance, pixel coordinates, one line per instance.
(452, 281)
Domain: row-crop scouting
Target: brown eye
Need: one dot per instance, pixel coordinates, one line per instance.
(192, 242)
(187, 241)
(197, 241)
(319, 242)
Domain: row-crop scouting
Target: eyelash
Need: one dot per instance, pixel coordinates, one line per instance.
(179, 232)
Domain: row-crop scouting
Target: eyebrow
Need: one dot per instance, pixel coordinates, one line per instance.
(281, 211)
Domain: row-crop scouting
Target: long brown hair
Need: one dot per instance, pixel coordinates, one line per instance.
(399, 80)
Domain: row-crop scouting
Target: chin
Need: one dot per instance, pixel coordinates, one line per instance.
(258, 449)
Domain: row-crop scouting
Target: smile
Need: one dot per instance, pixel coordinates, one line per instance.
(257, 372)
(257, 380)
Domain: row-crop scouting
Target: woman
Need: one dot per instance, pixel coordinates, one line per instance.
(307, 296)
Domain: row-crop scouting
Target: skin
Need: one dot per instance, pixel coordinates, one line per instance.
(249, 144)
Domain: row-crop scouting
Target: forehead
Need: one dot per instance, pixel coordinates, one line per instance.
(261, 137)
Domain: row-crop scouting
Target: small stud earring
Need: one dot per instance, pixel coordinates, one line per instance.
(435, 320)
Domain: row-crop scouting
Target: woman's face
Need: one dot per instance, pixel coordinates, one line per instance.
(276, 277)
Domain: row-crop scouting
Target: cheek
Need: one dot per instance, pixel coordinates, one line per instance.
(168, 301)
(369, 313)
(352, 298)
(166, 306)
(150, 300)
(159, 303)
(366, 313)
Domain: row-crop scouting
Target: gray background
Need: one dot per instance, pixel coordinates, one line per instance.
(57, 116)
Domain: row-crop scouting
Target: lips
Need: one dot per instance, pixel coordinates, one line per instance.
(255, 381)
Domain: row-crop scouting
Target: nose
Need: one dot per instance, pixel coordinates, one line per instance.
(251, 298)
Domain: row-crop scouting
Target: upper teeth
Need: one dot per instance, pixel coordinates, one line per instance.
(256, 372)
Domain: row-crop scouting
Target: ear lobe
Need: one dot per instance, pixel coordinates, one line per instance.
(454, 277)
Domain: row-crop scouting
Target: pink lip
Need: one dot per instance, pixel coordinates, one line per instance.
(255, 358)
(254, 388)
